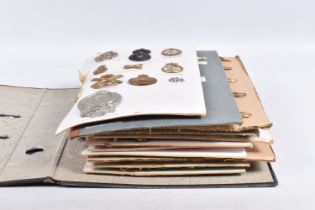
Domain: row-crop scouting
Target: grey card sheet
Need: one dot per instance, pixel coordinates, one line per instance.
(220, 103)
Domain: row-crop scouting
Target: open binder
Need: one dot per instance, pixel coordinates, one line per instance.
(31, 153)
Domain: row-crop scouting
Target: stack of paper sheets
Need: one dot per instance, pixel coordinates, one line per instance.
(209, 122)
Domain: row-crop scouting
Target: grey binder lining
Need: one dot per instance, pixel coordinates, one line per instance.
(220, 103)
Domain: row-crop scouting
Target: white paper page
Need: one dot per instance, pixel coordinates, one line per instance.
(211, 153)
(196, 144)
(264, 136)
(162, 98)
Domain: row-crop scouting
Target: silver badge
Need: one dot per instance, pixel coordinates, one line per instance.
(106, 56)
(99, 103)
(176, 79)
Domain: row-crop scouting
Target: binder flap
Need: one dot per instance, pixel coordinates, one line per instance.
(32, 150)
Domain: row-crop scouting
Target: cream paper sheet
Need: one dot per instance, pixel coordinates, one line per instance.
(162, 98)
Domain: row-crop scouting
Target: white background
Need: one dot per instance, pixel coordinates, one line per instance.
(43, 44)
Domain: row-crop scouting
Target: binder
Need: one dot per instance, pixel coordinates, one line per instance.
(30, 153)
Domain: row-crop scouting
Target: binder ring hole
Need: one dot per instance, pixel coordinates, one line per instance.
(10, 116)
(239, 94)
(34, 150)
(4, 137)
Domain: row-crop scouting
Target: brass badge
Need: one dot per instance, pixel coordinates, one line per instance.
(172, 68)
(106, 80)
(171, 52)
(133, 66)
(142, 80)
(100, 70)
(106, 56)
(99, 103)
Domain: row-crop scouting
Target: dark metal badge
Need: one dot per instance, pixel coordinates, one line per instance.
(140, 55)
(99, 103)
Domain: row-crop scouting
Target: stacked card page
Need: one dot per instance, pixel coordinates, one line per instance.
(173, 112)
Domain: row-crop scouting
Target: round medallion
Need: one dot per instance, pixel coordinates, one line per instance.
(99, 103)
(142, 80)
(171, 52)
(106, 56)
(172, 68)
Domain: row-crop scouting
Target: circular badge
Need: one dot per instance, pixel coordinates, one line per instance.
(171, 52)
(172, 68)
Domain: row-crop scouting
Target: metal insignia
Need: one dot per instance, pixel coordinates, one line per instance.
(101, 69)
(140, 55)
(107, 80)
(141, 51)
(176, 79)
(172, 68)
(171, 52)
(142, 80)
(106, 56)
(133, 66)
(99, 103)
